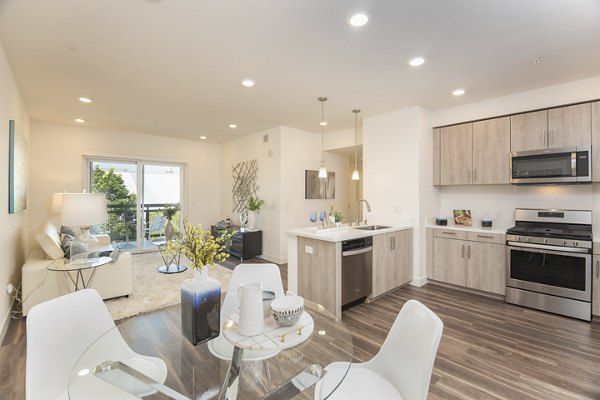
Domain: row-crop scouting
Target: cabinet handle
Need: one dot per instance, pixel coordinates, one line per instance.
(597, 269)
(448, 233)
(485, 236)
(462, 251)
(469, 252)
(544, 136)
(394, 242)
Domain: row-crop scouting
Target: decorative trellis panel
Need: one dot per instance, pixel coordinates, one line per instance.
(244, 183)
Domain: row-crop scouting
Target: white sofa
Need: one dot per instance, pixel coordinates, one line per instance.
(40, 284)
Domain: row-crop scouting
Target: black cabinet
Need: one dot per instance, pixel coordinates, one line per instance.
(243, 245)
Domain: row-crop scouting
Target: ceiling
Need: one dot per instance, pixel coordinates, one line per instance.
(173, 67)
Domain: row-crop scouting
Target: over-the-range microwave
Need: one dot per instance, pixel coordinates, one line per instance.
(564, 165)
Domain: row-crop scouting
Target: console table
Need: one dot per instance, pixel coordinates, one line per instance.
(243, 245)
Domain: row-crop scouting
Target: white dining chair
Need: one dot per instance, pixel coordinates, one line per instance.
(270, 277)
(402, 367)
(60, 331)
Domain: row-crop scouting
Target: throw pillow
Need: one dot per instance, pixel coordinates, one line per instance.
(49, 240)
(65, 243)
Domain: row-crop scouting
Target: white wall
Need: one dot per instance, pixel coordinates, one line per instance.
(268, 156)
(57, 153)
(13, 237)
(301, 151)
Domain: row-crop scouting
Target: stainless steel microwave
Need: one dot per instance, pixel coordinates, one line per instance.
(565, 165)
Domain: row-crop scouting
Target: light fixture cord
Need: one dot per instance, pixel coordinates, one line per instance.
(355, 141)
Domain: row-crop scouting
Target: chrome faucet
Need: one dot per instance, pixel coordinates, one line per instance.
(358, 210)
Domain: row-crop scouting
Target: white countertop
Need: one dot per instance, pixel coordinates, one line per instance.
(474, 229)
(343, 233)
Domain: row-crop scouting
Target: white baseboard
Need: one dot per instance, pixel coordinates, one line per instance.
(419, 281)
(6, 320)
(273, 259)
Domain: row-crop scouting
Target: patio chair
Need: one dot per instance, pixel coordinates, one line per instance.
(157, 224)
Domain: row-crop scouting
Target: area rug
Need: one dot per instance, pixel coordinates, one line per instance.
(153, 290)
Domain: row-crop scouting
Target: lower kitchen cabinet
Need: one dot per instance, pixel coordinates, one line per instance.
(596, 285)
(392, 260)
(317, 272)
(472, 264)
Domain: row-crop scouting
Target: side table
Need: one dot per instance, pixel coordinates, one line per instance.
(79, 281)
(172, 261)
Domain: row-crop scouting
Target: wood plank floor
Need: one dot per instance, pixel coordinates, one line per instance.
(489, 349)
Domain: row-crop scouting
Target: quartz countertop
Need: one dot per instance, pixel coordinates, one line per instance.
(474, 229)
(343, 233)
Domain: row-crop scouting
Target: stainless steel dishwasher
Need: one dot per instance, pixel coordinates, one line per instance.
(357, 272)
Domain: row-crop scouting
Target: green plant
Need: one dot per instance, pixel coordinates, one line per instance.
(338, 215)
(170, 210)
(254, 203)
(200, 246)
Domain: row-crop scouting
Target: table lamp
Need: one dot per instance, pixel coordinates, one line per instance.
(82, 210)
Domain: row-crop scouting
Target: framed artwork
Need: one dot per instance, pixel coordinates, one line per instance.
(317, 188)
(17, 170)
(463, 217)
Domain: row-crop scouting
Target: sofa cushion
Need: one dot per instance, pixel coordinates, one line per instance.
(49, 240)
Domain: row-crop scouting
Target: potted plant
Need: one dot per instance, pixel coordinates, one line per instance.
(169, 213)
(253, 205)
(201, 295)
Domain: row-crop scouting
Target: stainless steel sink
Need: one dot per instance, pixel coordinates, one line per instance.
(371, 227)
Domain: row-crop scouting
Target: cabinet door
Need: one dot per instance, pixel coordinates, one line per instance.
(316, 272)
(436, 156)
(449, 262)
(491, 151)
(384, 275)
(596, 141)
(570, 126)
(529, 131)
(486, 267)
(596, 286)
(402, 256)
(456, 154)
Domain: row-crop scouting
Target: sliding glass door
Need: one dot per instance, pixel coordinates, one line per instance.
(138, 192)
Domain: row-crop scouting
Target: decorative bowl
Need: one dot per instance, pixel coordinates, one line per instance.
(287, 310)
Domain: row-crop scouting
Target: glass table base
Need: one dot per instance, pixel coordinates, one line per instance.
(172, 269)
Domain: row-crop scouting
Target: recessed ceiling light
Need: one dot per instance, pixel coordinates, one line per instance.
(415, 62)
(358, 19)
(202, 137)
(232, 126)
(79, 120)
(458, 92)
(85, 100)
(248, 82)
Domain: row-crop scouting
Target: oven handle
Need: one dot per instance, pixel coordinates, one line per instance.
(541, 248)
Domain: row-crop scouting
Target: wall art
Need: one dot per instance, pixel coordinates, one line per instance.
(244, 183)
(17, 170)
(317, 188)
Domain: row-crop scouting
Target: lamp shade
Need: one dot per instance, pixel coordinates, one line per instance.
(83, 209)
(57, 202)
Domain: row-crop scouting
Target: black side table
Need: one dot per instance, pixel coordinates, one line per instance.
(172, 260)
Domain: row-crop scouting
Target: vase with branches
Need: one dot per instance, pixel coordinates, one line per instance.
(169, 213)
(253, 205)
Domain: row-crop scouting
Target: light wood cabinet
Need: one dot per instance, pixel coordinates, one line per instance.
(449, 262)
(596, 285)
(436, 156)
(316, 272)
(491, 151)
(551, 129)
(596, 141)
(392, 260)
(529, 131)
(476, 263)
(486, 267)
(456, 154)
(570, 126)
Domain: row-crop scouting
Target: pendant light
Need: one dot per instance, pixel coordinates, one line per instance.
(323, 123)
(355, 175)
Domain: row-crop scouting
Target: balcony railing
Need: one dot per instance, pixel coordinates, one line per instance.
(122, 221)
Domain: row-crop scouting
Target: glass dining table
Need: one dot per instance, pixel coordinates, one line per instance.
(194, 372)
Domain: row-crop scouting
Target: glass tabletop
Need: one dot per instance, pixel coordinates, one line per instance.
(63, 264)
(111, 366)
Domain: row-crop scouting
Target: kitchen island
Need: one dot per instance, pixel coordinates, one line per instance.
(315, 261)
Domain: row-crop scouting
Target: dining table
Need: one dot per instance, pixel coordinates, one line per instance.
(197, 372)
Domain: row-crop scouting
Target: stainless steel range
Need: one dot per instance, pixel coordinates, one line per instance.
(549, 261)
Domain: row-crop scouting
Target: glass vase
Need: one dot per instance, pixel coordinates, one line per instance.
(200, 307)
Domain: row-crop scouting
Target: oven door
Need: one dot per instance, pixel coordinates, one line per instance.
(564, 272)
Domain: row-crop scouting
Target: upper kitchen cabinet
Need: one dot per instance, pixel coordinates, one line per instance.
(437, 179)
(456, 146)
(596, 141)
(570, 126)
(491, 151)
(551, 129)
(529, 131)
